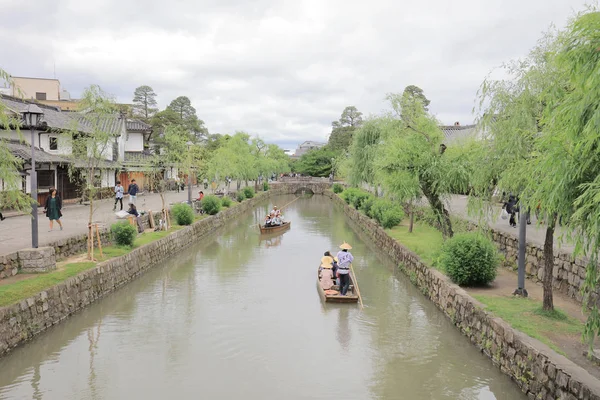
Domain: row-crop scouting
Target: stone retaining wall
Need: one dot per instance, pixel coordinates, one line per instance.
(568, 273)
(20, 322)
(539, 371)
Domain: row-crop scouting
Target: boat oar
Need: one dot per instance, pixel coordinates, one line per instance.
(356, 286)
(289, 203)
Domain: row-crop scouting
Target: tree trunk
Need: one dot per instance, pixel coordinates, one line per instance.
(440, 211)
(549, 264)
(239, 184)
(91, 198)
(412, 218)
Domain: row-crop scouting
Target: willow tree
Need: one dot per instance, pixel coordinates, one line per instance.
(11, 194)
(521, 146)
(572, 159)
(235, 159)
(411, 159)
(92, 141)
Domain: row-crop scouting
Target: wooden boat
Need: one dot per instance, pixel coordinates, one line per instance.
(350, 297)
(272, 229)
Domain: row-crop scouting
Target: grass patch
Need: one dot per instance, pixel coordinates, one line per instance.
(528, 316)
(424, 240)
(15, 292)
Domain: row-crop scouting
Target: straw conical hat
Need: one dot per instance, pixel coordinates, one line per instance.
(345, 246)
(326, 262)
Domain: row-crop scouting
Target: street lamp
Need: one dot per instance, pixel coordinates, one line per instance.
(32, 117)
(189, 145)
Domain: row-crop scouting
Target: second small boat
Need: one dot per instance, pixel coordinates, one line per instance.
(276, 228)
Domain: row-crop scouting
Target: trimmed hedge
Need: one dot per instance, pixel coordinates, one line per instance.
(211, 204)
(337, 188)
(240, 196)
(385, 212)
(265, 186)
(226, 201)
(184, 214)
(248, 192)
(123, 233)
(470, 259)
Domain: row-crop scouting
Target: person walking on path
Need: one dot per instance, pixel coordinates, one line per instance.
(133, 191)
(119, 191)
(52, 208)
(345, 258)
(511, 208)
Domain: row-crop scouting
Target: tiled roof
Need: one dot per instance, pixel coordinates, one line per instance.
(23, 151)
(137, 125)
(54, 118)
(456, 133)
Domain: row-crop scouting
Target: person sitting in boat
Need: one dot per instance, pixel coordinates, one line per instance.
(326, 274)
(277, 212)
(268, 221)
(345, 259)
(276, 221)
(335, 265)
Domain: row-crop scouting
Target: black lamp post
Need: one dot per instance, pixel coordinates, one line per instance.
(189, 145)
(32, 118)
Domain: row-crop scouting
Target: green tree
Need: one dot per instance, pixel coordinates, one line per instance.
(343, 129)
(410, 159)
(182, 106)
(512, 113)
(144, 102)
(91, 143)
(413, 94)
(12, 195)
(571, 161)
(235, 159)
(317, 162)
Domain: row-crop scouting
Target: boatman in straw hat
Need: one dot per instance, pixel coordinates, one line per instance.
(345, 258)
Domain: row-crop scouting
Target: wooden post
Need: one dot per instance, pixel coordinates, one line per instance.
(99, 243)
(151, 219)
(167, 219)
(91, 241)
(89, 246)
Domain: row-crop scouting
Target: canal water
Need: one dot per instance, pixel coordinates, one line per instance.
(239, 317)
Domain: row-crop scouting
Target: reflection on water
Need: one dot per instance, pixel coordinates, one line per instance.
(239, 316)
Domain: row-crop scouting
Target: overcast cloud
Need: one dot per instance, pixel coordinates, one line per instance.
(282, 70)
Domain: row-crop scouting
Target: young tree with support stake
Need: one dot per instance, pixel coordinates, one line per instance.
(91, 143)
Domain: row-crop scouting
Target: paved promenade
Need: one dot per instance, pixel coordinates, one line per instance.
(15, 232)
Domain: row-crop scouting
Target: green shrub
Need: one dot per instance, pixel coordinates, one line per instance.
(359, 197)
(240, 196)
(367, 204)
(184, 214)
(337, 188)
(265, 186)
(349, 194)
(377, 209)
(470, 259)
(123, 233)
(211, 204)
(248, 192)
(392, 216)
(226, 201)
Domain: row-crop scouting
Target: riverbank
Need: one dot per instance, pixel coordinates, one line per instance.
(538, 370)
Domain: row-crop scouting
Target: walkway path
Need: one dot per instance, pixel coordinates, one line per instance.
(15, 232)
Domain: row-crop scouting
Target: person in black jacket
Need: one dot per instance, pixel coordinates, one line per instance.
(511, 208)
(133, 191)
(52, 208)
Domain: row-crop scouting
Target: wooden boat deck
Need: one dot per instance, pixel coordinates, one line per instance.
(350, 297)
(272, 229)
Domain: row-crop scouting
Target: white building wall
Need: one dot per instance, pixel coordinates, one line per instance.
(64, 144)
(134, 142)
(108, 178)
(22, 135)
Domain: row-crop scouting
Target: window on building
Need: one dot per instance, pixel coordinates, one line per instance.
(40, 96)
(45, 179)
(53, 143)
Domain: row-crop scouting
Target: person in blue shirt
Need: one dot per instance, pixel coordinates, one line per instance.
(133, 191)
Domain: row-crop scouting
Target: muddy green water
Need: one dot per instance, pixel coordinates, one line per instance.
(237, 317)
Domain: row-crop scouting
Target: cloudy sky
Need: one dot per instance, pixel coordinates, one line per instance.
(279, 69)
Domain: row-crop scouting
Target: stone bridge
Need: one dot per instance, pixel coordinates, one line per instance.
(313, 186)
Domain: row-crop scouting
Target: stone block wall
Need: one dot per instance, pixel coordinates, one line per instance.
(20, 322)
(539, 371)
(41, 259)
(568, 273)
